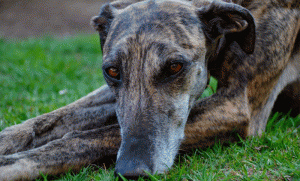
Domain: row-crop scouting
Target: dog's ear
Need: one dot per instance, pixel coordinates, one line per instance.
(227, 22)
(102, 22)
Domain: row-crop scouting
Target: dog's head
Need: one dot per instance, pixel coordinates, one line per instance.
(155, 56)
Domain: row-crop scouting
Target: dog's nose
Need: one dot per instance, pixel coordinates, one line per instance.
(132, 172)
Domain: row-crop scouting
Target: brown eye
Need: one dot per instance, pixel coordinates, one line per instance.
(113, 73)
(175, 68)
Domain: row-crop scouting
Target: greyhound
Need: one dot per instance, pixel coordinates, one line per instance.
(157, 57)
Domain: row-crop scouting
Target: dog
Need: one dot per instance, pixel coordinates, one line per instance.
(157, 57)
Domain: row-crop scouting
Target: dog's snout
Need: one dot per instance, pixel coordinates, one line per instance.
(131, 171)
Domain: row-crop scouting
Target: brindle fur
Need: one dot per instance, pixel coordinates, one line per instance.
(87, 130)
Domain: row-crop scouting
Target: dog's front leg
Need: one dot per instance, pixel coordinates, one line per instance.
(92, 111)
(74, 150)
(211, 117)
(217, 118)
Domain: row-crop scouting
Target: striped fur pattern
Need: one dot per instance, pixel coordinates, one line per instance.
(147, 112)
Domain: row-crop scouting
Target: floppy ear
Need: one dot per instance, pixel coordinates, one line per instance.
(224, 23)
(102, 22)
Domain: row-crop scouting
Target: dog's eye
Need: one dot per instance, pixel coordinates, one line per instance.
(113, 73)
(175, 68)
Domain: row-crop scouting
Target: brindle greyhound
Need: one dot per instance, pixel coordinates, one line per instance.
(156, 58)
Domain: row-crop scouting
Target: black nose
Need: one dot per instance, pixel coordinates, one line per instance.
(130, 171)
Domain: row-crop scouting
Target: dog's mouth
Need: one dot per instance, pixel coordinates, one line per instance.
(150, 144)
(142, 156)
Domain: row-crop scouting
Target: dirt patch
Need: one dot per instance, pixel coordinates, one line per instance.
(24, 18)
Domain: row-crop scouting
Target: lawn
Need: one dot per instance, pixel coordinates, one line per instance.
(38, 75)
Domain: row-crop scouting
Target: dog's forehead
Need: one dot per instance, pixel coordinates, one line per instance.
(171, 21)
(160, 11)
(152, 9)
(164, 5)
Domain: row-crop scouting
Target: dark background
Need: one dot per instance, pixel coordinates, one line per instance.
(24, 18)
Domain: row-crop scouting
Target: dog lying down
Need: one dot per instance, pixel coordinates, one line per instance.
(157, 55)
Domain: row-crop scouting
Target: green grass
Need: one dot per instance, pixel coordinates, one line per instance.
(33, 72)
